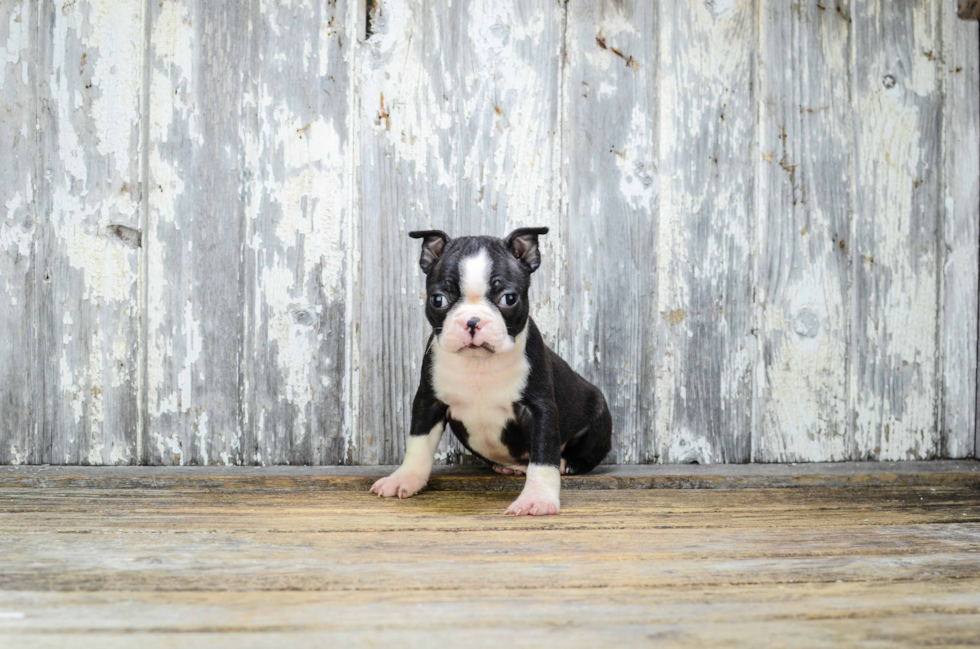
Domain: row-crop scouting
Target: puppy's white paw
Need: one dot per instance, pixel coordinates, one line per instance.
(401, 483)
(541, 491)
(534, 505)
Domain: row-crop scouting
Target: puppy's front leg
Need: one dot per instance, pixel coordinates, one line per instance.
(414, 472)
(428, 423)
(543, 484)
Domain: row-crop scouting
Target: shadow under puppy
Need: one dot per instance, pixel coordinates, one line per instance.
(487, 372)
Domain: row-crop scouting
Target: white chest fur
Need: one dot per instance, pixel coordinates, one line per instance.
(480, 393)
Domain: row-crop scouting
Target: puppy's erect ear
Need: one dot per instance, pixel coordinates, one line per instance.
(523, 242)
(433, 243)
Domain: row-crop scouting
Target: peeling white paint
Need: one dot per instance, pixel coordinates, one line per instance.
(203, 438)
(476, 139)
(17, 455)
(193, 339)
(119, 455)
(114, 38)
(705, 54)
(14, 236)
(16, 46)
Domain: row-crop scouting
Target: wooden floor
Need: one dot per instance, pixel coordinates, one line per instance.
(150, 558)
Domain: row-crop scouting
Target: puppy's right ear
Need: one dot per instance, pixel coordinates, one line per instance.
(433, 243)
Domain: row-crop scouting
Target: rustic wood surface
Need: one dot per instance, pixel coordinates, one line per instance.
(194, 237)
(764, 215)
(961, 141)
(609, 142)
(194, 565)
(806, 136)
(931, 473)
(85, 255)
(295, 184)
(704, 401)
(18, 228)
(894, 245)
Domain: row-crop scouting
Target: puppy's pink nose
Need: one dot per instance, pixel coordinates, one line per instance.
(471, 324)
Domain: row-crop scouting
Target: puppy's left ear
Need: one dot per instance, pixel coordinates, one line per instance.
(433, 243)
(523, 242)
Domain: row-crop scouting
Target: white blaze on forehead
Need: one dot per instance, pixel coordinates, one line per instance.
(475, 276)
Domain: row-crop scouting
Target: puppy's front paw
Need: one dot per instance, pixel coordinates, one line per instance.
(534, 503)
(401, 483)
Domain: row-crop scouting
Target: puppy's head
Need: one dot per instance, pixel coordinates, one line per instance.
(476, 288)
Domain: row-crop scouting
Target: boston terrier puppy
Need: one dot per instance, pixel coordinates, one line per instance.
(487, 372)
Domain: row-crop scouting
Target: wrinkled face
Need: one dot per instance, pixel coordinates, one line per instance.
(476, 292)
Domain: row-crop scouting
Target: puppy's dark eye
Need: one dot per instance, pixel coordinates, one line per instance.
(438, 301)
(508, 299)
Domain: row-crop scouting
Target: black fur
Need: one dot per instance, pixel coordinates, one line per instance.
(559, 414)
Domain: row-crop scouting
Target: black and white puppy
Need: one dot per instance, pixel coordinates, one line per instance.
(488, 373)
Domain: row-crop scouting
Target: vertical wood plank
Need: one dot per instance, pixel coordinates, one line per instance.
(609, 156)
(90, 74)
(18, 226)
(194, 238)
(805, 201)
(961, 205)
(898, 109)
(704, 264)
(295, 136)
(508, 65)
(459, 131)
(408, 180)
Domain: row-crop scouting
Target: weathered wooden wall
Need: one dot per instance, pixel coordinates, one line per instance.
(764, 220)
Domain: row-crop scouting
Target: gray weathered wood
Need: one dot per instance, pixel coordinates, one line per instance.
(86, 248)
(897, 230)
(704, 258)
(961, 203)
(18, 227)
(805, 197)
(508, 71)
(508, 68)
(764, 220)
(194, 238)
(295, 136)
(459, 132)
(610, 146)
(408, 154)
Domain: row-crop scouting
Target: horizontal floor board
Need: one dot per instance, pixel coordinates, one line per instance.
(183, 562)
(478, 478)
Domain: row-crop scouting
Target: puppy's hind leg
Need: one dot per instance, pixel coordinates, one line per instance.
(510, 469)
(586, 452)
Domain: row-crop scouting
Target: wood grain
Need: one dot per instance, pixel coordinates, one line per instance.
(459, 132)
(805, 198)
(86, 248)
(194, 236)
(610, 182)
(508, 70)
(961, 262)
(825, 566)
(295, 134)
(213, 479)
(704, 390)
(408, 157)
(764, 240)
(894, 246)
(18, 228)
